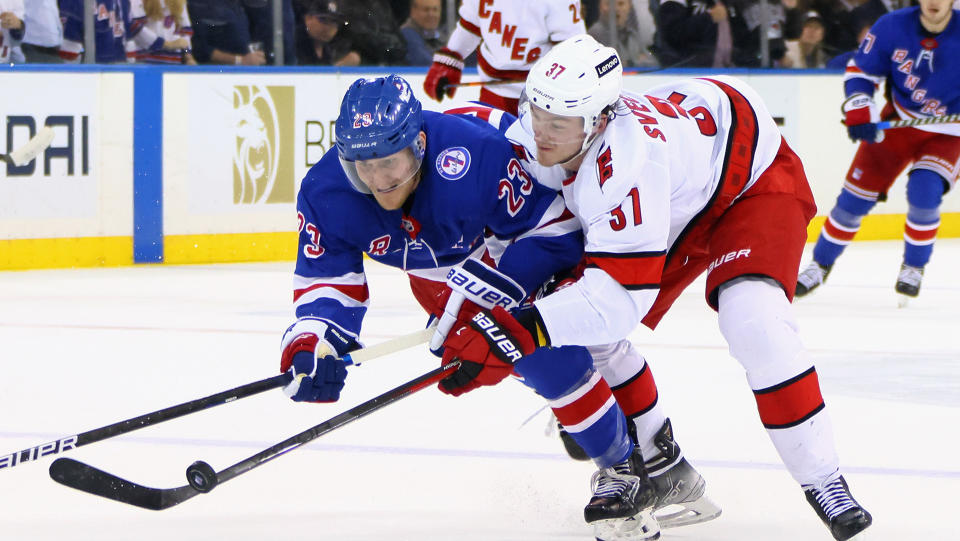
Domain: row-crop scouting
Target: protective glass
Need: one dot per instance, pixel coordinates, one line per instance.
(548, 128)
(384, 175)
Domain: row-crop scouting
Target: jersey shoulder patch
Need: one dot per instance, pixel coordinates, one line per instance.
(453, 163)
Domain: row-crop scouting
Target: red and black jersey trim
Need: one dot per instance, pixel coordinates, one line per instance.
(512, 75)
(470, 27)
(791, 402)
(737, 159)
(634, 270)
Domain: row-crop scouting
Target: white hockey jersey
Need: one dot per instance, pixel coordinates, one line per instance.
(512, 35)
(656, 167)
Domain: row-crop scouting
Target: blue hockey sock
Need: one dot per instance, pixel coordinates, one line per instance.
(841, 226)
(924, 194)
(581, 399)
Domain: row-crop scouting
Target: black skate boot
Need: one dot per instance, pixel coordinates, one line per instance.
(908, 283)
(571, 446)
(622, 503)
(838, 510)
(811, 278)
(680, 488)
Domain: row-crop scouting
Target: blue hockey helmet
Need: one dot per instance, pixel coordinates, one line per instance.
(378, 117)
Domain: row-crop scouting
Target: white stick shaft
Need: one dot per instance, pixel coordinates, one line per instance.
(34, 146)
(390, 346)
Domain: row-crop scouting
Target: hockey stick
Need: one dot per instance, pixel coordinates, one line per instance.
(201, 477)
(888, 124)
(37, 144)
(200, 404)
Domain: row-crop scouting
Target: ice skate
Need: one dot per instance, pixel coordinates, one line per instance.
(908, 283)
(836, 507)
(622, 503)
(811, 278)
(680, 488)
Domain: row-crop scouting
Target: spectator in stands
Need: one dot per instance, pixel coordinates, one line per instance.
(260, 15)
(110, 30)
(687, 32)
(807, 51)
(839, 62)
(745, 19)
(11, 27)
(374, 32)
(160, 31)
(840, 28)
(43, 34)
(422, 31)
(222, 34)
(320, 36)
(630, 44)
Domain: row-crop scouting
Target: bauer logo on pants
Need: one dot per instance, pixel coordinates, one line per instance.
(263, 150)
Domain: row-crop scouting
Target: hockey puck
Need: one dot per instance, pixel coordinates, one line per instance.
(201, 476)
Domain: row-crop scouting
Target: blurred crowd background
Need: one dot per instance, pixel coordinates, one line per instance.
(647, 34)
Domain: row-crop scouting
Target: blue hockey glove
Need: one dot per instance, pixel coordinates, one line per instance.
(865, 132)
(858, 117)
(317, 371)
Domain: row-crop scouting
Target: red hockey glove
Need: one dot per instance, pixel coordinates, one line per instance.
(487, 346)
(446, 70)
(857, 115)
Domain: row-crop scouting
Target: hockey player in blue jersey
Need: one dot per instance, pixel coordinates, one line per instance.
(916, 51)
(444, 198)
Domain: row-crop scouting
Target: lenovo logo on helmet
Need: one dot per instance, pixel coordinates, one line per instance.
(607, 65)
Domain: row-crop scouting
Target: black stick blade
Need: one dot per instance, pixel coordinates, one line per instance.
(86, 478)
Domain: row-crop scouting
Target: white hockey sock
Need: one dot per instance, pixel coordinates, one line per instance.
(757, 321)
(628, 374)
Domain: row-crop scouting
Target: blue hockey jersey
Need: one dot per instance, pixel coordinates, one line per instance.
(473, 195)
(922, 70)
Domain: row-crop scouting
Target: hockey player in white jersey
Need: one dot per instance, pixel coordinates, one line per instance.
(689, 177)
(509, 36)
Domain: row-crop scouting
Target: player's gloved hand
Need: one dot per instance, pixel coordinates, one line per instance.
(446, 69)
(317, 371)
(470, 287)
(487, 346)
(858, 117)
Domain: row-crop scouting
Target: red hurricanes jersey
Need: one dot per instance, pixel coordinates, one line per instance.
(512, 35)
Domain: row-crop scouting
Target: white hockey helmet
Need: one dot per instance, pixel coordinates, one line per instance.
(579, 77)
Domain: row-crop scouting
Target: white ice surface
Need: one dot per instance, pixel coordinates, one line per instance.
(81, 349)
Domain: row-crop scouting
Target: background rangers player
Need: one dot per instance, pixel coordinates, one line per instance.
(509, 36)
(689, 177)
(916, 51)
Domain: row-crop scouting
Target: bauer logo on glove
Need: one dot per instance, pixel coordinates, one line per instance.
(497, 336)
(487, 346)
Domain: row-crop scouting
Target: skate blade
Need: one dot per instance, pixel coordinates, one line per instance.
(687, 513)
(640, 527)
(903, 301)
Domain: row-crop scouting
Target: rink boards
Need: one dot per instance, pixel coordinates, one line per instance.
(202, 165)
